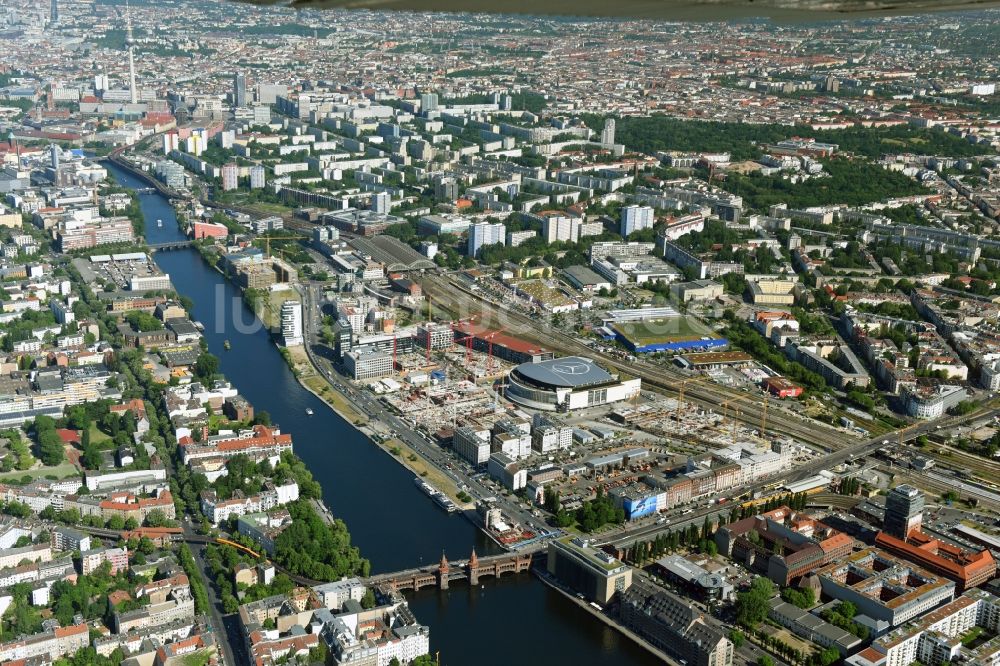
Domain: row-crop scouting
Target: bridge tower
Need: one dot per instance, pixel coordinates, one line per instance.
(473, 569)
(443, 573)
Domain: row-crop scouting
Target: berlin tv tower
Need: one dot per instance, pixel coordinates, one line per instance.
(130, 44)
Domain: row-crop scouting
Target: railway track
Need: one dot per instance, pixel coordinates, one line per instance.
(948, 456)
(742, 408)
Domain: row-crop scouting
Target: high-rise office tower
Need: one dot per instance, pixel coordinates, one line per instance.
(54, 13)
(54, 156)
(608, 133)
(446, 188)
(240, 90)
(904, 508)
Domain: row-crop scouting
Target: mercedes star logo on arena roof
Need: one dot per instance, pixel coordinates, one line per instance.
(571, 368)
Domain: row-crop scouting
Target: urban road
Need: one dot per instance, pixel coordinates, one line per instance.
(639, 530)
(458, 298)
(312, 305)
(397, 426)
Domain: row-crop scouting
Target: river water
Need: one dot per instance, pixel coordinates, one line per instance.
(514, 619)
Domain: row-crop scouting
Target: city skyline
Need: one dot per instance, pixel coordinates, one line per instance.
(374, 337)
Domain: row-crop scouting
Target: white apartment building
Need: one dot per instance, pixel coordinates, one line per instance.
(217, 510)
(365, 364)
(291, 323)
(560, 228)
(636, 218)
(482, 234)
(472, 445)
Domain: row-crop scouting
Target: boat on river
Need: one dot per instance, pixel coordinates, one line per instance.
(439, 497)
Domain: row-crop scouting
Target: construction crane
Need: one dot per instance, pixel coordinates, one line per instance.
(456, 326)
(680, 396)
(489, 352)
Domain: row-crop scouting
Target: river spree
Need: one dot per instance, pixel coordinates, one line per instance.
(515, 619)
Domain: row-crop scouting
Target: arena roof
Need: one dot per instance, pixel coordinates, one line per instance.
(568, 372)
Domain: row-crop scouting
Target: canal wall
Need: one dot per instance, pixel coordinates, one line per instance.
(390, 520)
(543, 576)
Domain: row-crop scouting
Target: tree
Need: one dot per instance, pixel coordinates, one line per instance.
(156, 518)
(77, 418)
(50, 445)
(143, 321)
(737, 638)
(765, 660)
(829, 656)
(91, 458)
(552, 503)
(752, 606)
(762, 586)
(799, 597)
(206, 367)
(310, 547)
(230, 603)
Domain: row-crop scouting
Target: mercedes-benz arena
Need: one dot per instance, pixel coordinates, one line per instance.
(565, 384)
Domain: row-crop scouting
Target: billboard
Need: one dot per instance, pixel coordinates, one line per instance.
(639, 507)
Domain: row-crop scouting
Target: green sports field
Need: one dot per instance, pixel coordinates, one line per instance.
(670, 329)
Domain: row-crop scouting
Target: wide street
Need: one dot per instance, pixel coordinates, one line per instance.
(392, 425)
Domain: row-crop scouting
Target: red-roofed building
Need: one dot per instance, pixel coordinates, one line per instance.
(259, 442)
(967, 568)
(787, 546)
(118, 596)
(781, 387)
(505, 347)
(46, 646)
(160, 536)
(127, 505)
(136, 406)
(177, 651)
(209, 230)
